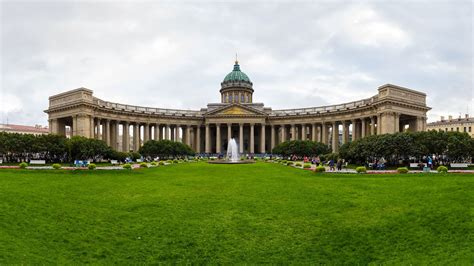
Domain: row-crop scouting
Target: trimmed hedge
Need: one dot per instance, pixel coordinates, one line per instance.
(306, 165)
(320, 169)
(127, 166)
(402, 170)
(361, 170)
(442, 169)
(92, 166)
(143, 165)
(56, 166)
(23, 165)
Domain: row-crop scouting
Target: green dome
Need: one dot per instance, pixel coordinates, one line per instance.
(236, 75)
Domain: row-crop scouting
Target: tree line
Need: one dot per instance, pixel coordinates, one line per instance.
(16, 147)
(406, 146)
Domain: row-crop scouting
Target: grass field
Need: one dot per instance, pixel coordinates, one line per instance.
(261, 213)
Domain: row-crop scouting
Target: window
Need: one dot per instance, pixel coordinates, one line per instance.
(465, 129)
(451, 129)
(230, 98)
(242, 98)
(446, 130)
(457, 129)
(469, 129)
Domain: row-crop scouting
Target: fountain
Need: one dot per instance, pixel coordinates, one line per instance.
(232, 155)
(232, 151)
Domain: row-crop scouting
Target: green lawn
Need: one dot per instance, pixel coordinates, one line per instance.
(261, 213)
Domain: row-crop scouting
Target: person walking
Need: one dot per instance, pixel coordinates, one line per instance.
(331, 165)
(339, 165)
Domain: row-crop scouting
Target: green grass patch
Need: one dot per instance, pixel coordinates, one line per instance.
(226, 214)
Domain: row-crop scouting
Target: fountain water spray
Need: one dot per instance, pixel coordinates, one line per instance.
(232, 151)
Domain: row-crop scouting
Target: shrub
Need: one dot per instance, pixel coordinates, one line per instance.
(361, 170)
(56, 166)
(175, 161)
(320, 169)
(153, 163)
(284, 161)
(127, 166)
(442, 169)
(402, 170)
(91, 166)
(169, 161)
(298, 164)
(306, 166)
(161, 163)
(289, 163)
(143, 165)
(23, 165)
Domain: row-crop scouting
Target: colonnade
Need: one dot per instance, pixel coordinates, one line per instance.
(213, 137)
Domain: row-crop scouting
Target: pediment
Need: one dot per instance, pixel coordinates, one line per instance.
(236, 110)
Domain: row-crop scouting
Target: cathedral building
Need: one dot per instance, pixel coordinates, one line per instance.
(255, 127)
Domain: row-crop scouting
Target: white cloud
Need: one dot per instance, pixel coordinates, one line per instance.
(173, 55)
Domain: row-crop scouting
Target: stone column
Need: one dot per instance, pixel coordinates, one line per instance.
(156, 134)
(146, 133)
(218, 138)
(112, 134)
(92, 127)
(372, 125)
(167, 132)
(172, 132)
(241, 138)
(272, 137)
(262, 139)
(397, 122)
(252, 138)
(229, 132)
(136, 137)
(324, 135)
(388, 123)
(344, 132)
(107, 132)
(379, 124)
(283, 133)
(313, 132)
(177, 138)
(117, 135)
(198, 138)
(293, 132)
(208, 139)
(303, 132)
(335, 137)
(126, 137)
(362, 128)
(188, 135)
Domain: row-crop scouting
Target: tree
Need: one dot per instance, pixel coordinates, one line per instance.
(301, 148)
(165, 148)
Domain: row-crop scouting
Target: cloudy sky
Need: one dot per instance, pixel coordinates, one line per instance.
(174, 55)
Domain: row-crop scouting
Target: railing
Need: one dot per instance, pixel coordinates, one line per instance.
(146, 110)
(192, 113)
(325, 109)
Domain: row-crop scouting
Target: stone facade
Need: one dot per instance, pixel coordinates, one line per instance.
(460, 124)
(256, 128)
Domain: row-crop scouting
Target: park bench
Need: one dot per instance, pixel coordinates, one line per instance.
(459, 165)
(37, 161)
(1, 161)
(415, 165)
(114, 162)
